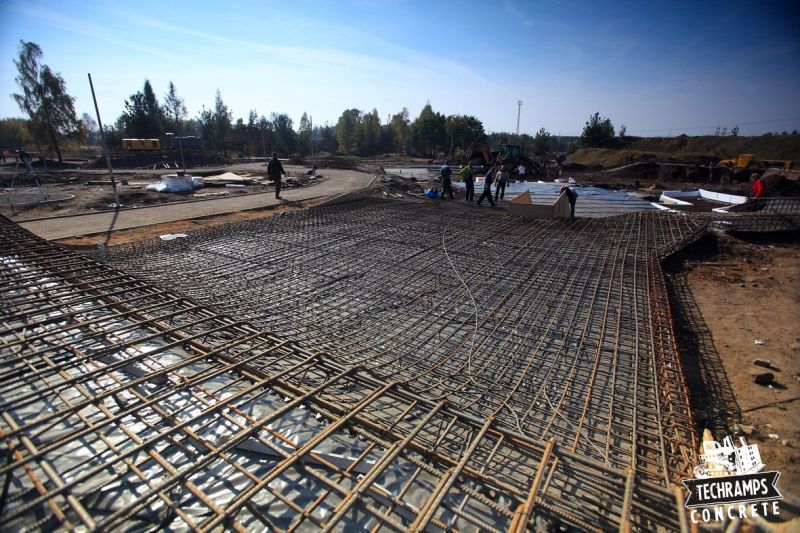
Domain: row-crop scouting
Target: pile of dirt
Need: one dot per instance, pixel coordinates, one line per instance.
(779, 185)
(343, 164)
(153, 160)
(396, 184)
(301, 180)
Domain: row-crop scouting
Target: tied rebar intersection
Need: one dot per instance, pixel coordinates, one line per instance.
(384, 365)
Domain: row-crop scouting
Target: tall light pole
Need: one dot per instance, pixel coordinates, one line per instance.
(519, 109)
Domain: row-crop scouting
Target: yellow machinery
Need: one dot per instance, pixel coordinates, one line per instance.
(748, 161)
(140, 144)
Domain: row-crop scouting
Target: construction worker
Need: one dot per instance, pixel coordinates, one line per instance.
(503, 178)
(487, 187)
(572, 197)
(758, 187)
(447, 184)
(274, 171)
(469, 181)
(521, 172)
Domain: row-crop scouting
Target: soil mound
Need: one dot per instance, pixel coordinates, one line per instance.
(779, 185)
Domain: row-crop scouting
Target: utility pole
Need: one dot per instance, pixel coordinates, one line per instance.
(311, 124)
(117, 205)
(519, 109)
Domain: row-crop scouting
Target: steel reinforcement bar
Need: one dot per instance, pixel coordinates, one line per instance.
(555, 328)
(129, 405)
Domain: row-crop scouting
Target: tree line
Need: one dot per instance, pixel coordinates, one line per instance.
(52, 120)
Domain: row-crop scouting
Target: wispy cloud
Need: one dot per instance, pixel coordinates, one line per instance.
(86, 29)
(518, 15)
(407, 63)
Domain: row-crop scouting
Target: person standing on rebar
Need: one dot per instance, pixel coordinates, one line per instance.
(502, 179)
(572, 196)
(469, 181)
(447, 183)
(274, 171)
(487, 187)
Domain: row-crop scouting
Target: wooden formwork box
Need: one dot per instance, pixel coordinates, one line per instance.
(523, 206)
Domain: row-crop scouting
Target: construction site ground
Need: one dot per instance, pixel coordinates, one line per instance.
(734, 298)
(738, 299)
(91, 213)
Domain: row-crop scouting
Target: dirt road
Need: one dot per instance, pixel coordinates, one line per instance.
(59, 227)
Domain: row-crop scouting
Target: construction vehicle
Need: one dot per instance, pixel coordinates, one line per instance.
(138, 145)
(749, 161)
(479, 155)
(510, 157)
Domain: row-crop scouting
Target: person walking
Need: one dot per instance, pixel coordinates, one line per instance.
(487, 187)
(447, 184)
(469, 182)
(274, 171)
(502, 179)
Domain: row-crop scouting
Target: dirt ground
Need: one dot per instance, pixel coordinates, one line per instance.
(184, 226)
(90, 194)
(744, 301)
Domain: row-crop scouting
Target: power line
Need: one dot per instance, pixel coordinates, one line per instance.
(733, 124)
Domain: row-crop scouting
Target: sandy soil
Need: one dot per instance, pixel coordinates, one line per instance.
(747, 292)
(183, 226)
(90, 196)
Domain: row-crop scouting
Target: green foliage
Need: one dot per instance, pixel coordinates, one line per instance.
(598, 132)
(215, 125)
(113, 136)
(304, 135)
(348, 131)
(735, 131)
(325, 139)
(14, 133)
(89, 129)
(143, 117)
(541, 142)
(284, 137)
(371, 134)
(461, 131)
(174, 110)
(401, 129)
(572, 146)
(428, 134)
(44, 97)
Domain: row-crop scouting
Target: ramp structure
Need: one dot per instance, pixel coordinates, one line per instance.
(377, 365)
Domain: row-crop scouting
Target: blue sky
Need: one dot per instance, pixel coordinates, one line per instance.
(660, 68)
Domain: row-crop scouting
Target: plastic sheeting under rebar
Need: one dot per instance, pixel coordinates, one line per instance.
(106, 485)
(553, 327)
(127, 405)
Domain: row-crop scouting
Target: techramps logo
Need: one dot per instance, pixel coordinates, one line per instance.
(729, 483)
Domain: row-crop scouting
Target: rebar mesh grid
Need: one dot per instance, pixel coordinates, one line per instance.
(558, 330)
(761, 215)
(128, 405)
